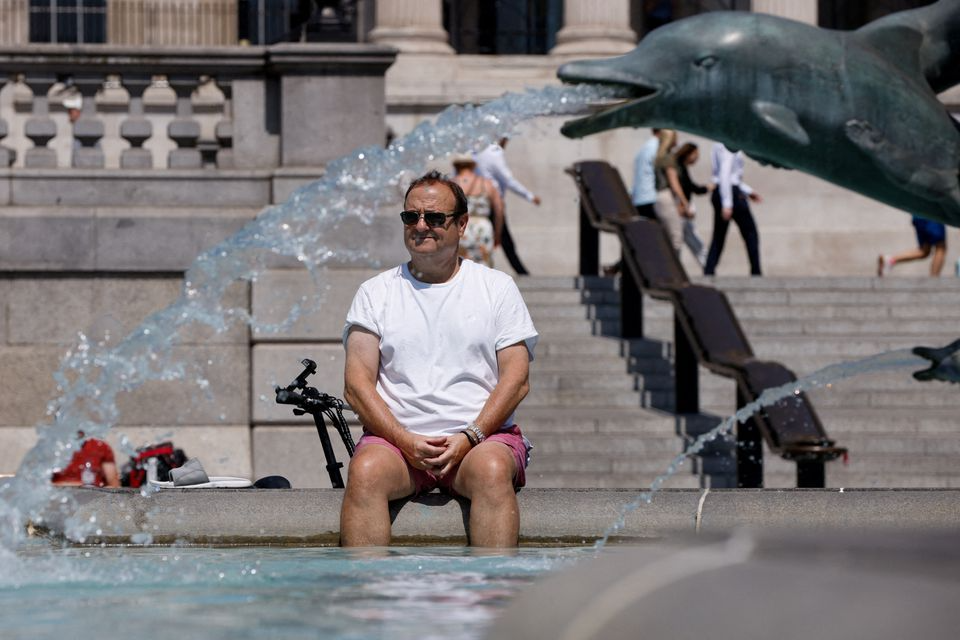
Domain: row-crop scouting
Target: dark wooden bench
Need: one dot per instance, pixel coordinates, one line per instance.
(706, 331)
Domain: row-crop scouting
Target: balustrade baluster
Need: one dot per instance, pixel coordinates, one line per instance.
(89, 129)
(7, 155)
(136, 129)
(184, 130)
(40, 128)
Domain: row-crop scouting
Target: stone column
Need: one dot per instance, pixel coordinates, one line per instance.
(14, 22)
(800, 10)
(412, 26)
(595, 27)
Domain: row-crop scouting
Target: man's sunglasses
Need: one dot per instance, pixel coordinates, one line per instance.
(432, 218)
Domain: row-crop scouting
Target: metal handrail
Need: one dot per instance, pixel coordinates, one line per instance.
(706, 331)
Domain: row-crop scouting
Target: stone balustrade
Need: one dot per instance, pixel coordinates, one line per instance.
(199, 108)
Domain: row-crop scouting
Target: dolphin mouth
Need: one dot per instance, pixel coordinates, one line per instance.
(609, 114)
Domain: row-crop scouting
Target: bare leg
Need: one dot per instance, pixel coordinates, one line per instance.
(377, 475)
(939, 257)
(486, 478)
(914, 254)
(885, 263)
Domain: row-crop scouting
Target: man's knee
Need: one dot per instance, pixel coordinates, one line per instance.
(375, 469)
(491, 468)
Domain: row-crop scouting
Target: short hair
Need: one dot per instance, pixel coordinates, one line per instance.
(435, 177)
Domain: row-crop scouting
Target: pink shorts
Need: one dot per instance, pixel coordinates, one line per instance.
(425, 481)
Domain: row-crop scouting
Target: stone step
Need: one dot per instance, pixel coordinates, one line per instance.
(879, 310)
(652, 465)
(549, 327)
(732, 283)
(803, 364)
(597, 398)
(629, 421)
(720, 402)
(835, 297)
(574, 312)
(570, 297)
(893, 443)
(898, 380)
(552, 363)
(848, 420)
(582, 346)
(895, 465)
(637, 481)
(539, 283)
(607, 446)
(883, 327)
(757, 328)
(601, 381)
(841, 348)
(890, 423)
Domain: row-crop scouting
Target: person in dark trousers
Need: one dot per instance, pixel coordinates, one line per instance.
(730, 202)
(687, 156)
(492, 164)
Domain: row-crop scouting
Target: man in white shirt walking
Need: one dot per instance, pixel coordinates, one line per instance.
(491, 163)
(730, 201)
(437, 360)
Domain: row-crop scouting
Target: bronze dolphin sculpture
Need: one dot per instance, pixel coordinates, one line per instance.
(858, 108)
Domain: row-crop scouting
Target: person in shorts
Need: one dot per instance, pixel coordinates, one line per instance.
(437, 361)
(931, 237)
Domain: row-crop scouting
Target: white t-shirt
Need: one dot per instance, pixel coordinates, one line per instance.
(439, 342)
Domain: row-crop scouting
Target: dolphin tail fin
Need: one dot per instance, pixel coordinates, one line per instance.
(924, 40)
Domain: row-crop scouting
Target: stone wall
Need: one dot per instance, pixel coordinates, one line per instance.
(95, 247)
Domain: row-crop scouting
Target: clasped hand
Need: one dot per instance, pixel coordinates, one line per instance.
(438, 454)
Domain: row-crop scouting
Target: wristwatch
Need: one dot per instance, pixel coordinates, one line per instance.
(475, 430)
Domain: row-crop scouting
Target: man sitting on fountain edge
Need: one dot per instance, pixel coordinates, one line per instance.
(437, 360)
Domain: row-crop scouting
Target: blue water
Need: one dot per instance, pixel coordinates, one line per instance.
(255, 593)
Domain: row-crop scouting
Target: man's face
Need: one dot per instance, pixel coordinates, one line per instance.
(422, 239)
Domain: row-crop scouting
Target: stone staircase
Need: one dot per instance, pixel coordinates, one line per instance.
(589, 409)
(599, 408)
